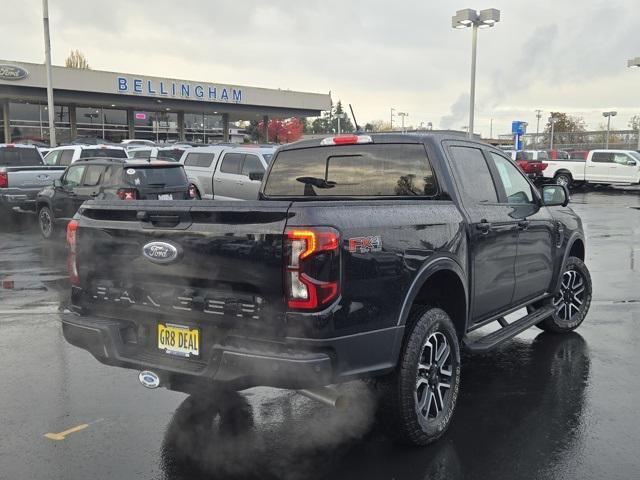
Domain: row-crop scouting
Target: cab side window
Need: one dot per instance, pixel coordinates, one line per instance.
(251, 164)
(621, 158)
(73, 176)
(92, 177)
(473, 175)
(231, 163)
(602, 157)
(51, 158)
(65, 157)
(516, 187)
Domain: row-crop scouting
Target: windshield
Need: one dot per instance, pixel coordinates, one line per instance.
(635, 155)
(19, 157)
(103, 153)
(155, 176)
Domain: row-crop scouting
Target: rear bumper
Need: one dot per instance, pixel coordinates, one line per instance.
(240, 363)
(16, 197)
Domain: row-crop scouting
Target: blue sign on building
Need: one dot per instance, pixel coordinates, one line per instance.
(185, 91)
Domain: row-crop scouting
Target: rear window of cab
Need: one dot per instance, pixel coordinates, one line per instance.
(103, 153)
(155, 176)
(352, 171)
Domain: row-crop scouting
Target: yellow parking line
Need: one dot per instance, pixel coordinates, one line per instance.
(62, 435)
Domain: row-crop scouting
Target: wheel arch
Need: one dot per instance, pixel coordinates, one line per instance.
(575, 248)
(564, 171)
(442, 283)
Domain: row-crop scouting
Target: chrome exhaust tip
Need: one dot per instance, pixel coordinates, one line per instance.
(326, 395)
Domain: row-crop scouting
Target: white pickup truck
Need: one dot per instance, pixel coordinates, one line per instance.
(600, 166)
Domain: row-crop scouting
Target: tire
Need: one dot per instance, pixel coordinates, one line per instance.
(563, 179)
(46, 223)
(573, 301)
(414, 382)
(197, 192)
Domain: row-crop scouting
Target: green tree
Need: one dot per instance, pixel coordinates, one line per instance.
(568, 129)
(76, 59)
(345, 123)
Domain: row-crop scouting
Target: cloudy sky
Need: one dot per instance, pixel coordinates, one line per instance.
(560, 55)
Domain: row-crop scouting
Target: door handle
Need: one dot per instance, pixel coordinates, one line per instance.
(523, 224)
(484, 227)
(218, 179)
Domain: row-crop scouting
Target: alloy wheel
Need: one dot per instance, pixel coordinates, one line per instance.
(434, 378)
(562, 180)
(570, 300)
(46, 222)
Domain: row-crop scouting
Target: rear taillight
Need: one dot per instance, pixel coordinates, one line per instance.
(72, 262)
(4, 180)
(128, 193)
(312, 269)
(346, 140)
(543, 166)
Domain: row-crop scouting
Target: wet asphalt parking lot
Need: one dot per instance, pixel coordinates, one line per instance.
(542, 406)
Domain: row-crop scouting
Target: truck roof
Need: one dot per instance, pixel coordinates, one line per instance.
(432, 137)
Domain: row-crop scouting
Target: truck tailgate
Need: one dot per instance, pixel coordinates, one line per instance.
(202, 262)
(32, 177)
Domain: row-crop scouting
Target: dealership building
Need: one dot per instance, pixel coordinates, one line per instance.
(114, 106)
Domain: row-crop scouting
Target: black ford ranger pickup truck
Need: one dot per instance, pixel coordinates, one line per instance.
(366, 256)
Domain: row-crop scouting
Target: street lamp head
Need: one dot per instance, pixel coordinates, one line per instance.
(633, 62)
(464, 18)
(609, 114)
(489, 16)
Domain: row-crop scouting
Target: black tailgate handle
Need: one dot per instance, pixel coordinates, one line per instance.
(159, 220)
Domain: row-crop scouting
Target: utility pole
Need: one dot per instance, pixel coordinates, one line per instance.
(47, 60)
(402, 114)
(538, 116)
(491, 129)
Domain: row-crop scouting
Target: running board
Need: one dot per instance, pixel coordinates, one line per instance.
(508, 331)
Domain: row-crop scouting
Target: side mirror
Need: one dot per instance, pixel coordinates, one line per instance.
(57, 183)
(555, 196)
(256, 176)
(631, 163)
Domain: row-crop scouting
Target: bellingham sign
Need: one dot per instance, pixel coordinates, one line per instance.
(179, 90)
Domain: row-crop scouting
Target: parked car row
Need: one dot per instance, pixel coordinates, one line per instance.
(579, 167)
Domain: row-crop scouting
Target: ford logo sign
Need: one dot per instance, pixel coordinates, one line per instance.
(12, 72)
(149, 379)
(160, 252)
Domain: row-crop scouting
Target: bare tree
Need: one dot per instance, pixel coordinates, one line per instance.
(76, 59)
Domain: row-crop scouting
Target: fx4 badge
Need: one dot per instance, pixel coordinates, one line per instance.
(365, 244)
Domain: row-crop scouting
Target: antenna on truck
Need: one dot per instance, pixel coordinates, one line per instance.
(354, 118)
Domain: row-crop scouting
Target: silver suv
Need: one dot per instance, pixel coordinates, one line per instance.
(227, 172)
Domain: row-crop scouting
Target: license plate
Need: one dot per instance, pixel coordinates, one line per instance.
(165, 196)
(179, 340)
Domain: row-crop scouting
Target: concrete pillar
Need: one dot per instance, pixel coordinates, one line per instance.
(5, 120)
(181, 126)
(73, 121)
(265, 128)
(225, 127)
(131, 123)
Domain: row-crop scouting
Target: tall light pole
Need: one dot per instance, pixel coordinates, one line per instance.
(340, 116)
(470, 18)
(47, 60)
(403, 114)
(608, 116)
(392, 110)
(635, 63)
(538, 116)
(552, 121)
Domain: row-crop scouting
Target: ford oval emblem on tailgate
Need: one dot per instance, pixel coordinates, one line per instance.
(160, 252)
